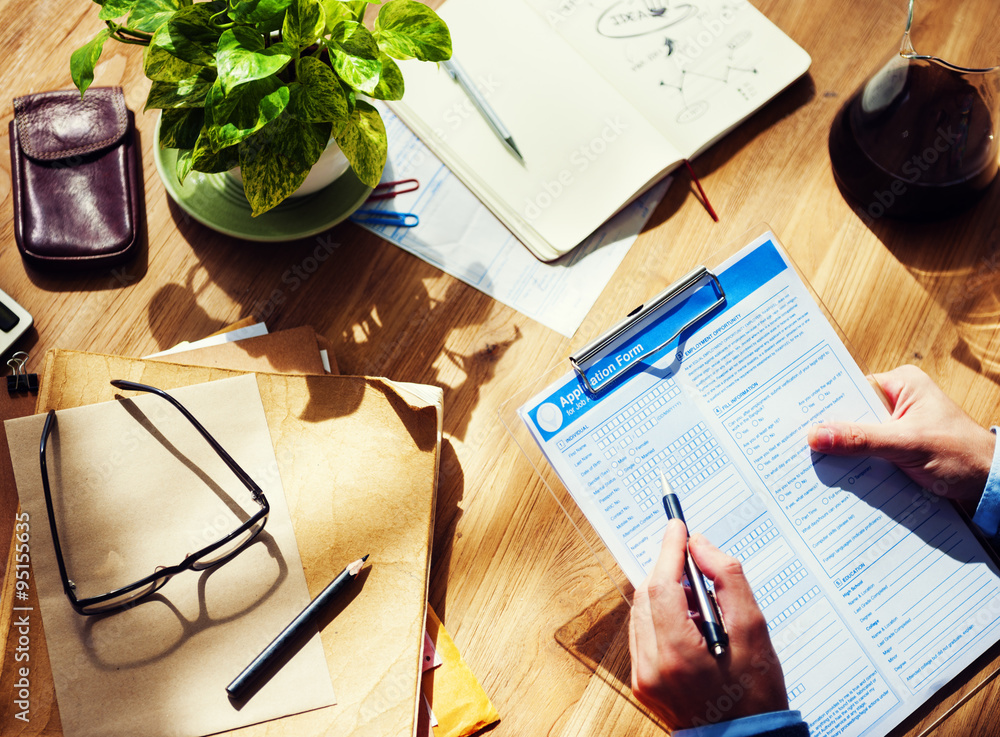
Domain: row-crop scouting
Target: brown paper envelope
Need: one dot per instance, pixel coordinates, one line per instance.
(136, 487)
(358, 464)
(293, 351)
(243, 322)
(11, 405)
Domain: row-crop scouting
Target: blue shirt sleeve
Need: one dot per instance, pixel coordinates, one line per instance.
(987, 516)
(745, 726)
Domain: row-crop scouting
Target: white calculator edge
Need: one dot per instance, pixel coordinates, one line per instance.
(14, 321)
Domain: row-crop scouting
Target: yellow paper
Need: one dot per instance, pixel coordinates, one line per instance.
(458, 701)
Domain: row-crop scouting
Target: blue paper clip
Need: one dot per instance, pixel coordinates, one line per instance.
(386, 217)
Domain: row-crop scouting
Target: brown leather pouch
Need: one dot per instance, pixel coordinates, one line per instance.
(76, 179)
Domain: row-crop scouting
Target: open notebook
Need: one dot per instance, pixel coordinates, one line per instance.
(602, 98)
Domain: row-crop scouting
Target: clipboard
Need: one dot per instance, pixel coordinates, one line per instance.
(645, 352)
(671, 301)
(674, 313)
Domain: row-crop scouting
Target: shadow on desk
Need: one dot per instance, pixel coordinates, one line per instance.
(451, 490)
(599, 639)
(385, 312)
(957, 262)
(382, 308)
(589, 636)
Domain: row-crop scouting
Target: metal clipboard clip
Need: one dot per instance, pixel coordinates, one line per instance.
(583, 360)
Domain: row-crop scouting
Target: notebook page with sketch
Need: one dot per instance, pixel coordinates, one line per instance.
(603, 98)
(693, 69)
(586, 150)
(853, 565)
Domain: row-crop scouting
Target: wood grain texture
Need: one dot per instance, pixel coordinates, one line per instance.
(535, 618)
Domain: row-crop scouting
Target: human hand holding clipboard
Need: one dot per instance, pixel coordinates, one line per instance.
(932, 440)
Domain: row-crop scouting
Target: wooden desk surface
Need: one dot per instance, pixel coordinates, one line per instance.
(538, 624)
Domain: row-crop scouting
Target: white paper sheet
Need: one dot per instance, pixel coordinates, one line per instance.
(250, 331)
(461, 237)
(876, 593)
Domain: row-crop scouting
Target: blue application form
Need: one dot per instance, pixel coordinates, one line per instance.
(857, 570)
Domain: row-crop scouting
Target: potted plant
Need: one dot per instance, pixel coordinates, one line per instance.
(266, 84)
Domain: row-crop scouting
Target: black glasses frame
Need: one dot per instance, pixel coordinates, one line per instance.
(146, 586)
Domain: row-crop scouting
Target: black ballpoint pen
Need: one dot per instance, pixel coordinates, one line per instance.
(245, 683)
(712, 626)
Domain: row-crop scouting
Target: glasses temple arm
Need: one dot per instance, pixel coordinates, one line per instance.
(68, 586)
(256, 492)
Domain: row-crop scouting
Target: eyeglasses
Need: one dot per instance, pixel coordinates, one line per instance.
(211, 555)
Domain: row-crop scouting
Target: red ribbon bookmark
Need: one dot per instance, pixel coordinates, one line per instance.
(704, 197)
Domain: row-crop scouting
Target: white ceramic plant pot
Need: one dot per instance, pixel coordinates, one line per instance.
(331, 165)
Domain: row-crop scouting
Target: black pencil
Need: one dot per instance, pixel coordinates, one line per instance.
(280, 646)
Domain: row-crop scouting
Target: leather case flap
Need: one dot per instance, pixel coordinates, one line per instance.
(57, 125)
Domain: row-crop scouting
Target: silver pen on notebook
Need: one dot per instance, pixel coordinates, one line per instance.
(456, 72)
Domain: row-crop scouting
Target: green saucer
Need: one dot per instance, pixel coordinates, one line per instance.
(218, 202)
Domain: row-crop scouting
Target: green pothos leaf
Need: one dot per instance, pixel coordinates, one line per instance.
(159, 64)
(186, 93)
(232, 117)
(355, 39)
(276, 160)
(364, 143)
(84, 59)
(204, 159)
(257, 11)
(148, 15)
(180, 127)
(390, 82)
(189, 35)
(305, 21)
(357, 8)
(335, 11)
(111, 9)
(242, 57)
(407, 29)
(317, 96)
(183, 164)
(355, 56)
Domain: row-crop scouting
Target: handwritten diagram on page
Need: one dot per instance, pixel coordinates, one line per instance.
(853, 565)
(689, 67)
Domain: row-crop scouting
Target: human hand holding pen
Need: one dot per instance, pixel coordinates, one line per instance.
(712, 625)
(673, 673)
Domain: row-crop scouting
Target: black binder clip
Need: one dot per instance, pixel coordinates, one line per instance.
(665, 309)
(20, 381)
